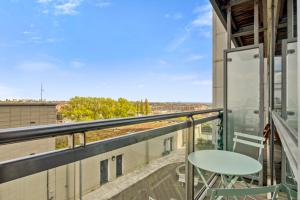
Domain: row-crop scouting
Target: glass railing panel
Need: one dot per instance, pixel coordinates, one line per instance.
(57, 183)
(291, 86)
(152, 169)
(28, 148)
(244, 83)
(206, 136)
(290, 177)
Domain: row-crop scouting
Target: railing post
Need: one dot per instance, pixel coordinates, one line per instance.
(82, 139)
(189, 169)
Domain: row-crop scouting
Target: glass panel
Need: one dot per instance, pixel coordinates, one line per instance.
(206, 135)
(291, 87)
(243, 98)
(277, 83)
(290, 177)
(150, 169)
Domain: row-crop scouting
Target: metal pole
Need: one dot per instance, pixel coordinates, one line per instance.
(225, 112)
(80, 180)
(229, 26)
(256, 22)
(271, 88)
(189, 172)
(82, 138)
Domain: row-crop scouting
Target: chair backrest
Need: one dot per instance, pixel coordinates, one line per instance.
(216, 193)
(250, 140)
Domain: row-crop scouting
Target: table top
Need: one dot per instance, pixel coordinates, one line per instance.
(225, 162)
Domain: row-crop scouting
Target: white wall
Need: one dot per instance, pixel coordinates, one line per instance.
(219, 44)
(63, 183)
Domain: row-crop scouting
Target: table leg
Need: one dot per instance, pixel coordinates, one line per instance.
(202, 177)
(228, 183)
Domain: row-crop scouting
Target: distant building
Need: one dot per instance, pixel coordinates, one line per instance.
(22, 114)
(15, 114)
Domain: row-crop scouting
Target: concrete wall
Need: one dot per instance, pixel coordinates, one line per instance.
(219, 44)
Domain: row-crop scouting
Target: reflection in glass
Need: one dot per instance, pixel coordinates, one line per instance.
(291, 85)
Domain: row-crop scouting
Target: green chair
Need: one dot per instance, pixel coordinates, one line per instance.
(249, 140)
(217, 193)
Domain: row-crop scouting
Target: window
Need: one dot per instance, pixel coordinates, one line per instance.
(119, 165)
(168, 145)
(103, 172)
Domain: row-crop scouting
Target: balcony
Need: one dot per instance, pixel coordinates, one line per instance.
(148, 164)
(145, 164)
(152, 164)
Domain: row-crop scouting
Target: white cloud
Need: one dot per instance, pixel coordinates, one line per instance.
(178, 41)
(67, 7)
(77, 64)
(201, 24)
(175, 16)
(204, 16)
(178, 77)
(36, 66)
(194, 57)
(202, 82)
(44, 1)
(103, 3)
(162, 62)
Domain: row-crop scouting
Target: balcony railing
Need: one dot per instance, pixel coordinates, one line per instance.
(161, 151)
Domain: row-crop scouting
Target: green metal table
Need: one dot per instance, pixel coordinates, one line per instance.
(230, 165)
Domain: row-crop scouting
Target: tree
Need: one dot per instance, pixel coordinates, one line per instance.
(142, 108)
(147, 107)
(137, 106)
(92, 108)
(125, 108)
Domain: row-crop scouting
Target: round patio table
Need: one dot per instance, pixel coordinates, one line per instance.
(230, 165)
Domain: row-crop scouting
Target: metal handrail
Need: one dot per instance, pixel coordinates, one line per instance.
(37, 132)
(21, 167)
(289, 140)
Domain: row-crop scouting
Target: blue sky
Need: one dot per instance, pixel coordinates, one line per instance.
(158, 49)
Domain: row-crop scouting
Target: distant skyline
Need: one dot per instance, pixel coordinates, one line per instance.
(158, 49)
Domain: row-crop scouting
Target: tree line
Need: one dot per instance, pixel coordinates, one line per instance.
(95, 108)
(143, 107)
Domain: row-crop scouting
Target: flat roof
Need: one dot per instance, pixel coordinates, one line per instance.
(16, 103)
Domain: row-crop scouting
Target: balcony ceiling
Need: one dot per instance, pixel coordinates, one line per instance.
(242, 26)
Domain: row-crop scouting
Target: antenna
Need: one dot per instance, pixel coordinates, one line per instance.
(42, 90)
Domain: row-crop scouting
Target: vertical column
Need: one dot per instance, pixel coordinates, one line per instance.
(298, 95)
(290, 18)
(256, 22)
(271, 86)
(229, 27)
(189, 169)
